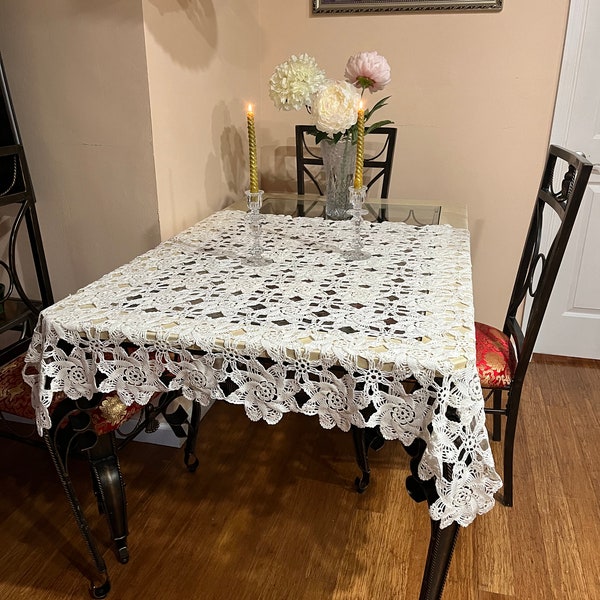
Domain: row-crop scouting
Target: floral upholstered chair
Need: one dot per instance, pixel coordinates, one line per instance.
(503, 356)
(75, 428)
(15, 401)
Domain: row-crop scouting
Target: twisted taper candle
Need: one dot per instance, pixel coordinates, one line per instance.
(360, 147)
(252, 151)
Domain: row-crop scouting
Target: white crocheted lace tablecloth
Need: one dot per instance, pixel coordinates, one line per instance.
(192, 315)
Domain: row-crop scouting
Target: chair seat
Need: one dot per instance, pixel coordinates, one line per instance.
(496, 359)
(15, 399)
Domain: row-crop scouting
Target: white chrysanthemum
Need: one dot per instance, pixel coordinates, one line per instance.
(335, 107)
(295, 81)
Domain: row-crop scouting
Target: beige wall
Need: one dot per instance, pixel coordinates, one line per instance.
(203, 64)
(472, 97)
(106, 90)
(77, 72)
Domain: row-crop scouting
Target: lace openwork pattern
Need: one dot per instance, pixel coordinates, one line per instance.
(310, 333)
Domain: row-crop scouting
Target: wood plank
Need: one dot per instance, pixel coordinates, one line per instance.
(271, 514)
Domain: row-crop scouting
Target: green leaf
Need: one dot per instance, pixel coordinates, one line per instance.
(319, 135)
(378, 124)
(376, 107)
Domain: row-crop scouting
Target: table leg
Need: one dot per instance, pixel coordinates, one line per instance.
(110, 490)
(97, 591)
(439, 555)
(441, 541)
(364, 439)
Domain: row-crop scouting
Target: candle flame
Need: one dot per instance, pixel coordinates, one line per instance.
(360, 105)
(250, 111)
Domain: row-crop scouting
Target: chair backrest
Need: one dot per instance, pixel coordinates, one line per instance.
(560, 193)
(378, 165)
(20, 302)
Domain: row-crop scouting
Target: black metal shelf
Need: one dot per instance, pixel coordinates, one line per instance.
(14, 313)
(19, 312)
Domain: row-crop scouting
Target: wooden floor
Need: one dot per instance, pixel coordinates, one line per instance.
(272, 514)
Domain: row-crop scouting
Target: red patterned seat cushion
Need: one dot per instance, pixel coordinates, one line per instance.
(15, 399)
(496, 359)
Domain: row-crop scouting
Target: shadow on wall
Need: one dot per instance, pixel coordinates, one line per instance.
(176, 24)
(235, 166)
(277, 163)
(172, 23)
(227, 171)
(281, 175)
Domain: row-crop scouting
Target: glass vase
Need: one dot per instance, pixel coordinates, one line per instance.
(339, 161)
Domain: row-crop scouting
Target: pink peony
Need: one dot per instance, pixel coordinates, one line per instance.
(368, 70)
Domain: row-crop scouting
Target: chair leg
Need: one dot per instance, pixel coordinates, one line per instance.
(497, 417)
(110, 491)
(189, 458)
(102, 590)
(361, 450)
(509, 445)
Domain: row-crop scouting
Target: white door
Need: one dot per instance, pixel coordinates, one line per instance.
(571, 326)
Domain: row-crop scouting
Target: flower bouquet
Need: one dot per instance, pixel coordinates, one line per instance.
(333, 105)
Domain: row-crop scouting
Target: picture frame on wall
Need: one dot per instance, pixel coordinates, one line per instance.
(375, 6)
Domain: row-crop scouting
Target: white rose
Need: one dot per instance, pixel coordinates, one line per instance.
(335, 107)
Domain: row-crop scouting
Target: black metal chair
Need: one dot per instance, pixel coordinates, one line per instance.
(503, 356)
(377, 165)
(78, 427)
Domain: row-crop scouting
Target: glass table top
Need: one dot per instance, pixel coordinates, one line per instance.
(408, 211)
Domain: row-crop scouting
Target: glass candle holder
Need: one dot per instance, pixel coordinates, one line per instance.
(357, 199)
(255, 220)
